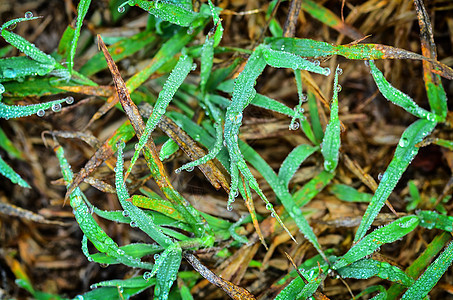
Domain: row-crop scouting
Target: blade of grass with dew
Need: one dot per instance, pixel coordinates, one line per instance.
(177, 76)
(431, 219)
(163, 206)
(293, 161)
(82, 9)
(317, 49)
(397, 97)
(88, 225)
(19, 67)
(373, 241)
(271, 104)
(347, 193)
(366, 268)
(18, 111)
(415, 198)
(422, 261)
(136, 250)
(120, 50)
(23, 45)
(167, 11)
(426, 282)
(330, 148)
(9, 173)
(138, 217)
(166, 270)
(298, 289)
(435, 91)
(281, 191)
(404, 153)
(117, 289)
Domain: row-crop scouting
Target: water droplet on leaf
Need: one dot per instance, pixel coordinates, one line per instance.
(403, 142)
(28, 15)
(56, 107)
(69, 100)
(40, 113)
(339, 71)
(121, 9)
(339, 88)
(190, 169)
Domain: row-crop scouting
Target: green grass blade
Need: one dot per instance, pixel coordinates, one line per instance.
(404, 153)
(397, 97)
(18, 111)
(431, 276)
(168, 149)
(272, 104)
(330, 148)
(293, 161)
(431, 219)
(168, 11)
(366, 268)
(138, 217)
(314, 118)
(82, 10)
(9, 173)
(88, 225)
(373, 241)
(347, 193)
(7, 145)
(177, 76)
(19, 67)
(312, 188)
(281, 192)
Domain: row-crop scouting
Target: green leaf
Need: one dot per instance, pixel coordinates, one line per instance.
(9, 173)
(348, 193)
(373, 241)
(397, 97)
(293, 161)
(404, 153)
(431, 276)
(366, 268)
(330, 148)
(431, 219)
(167, 271)
(168, 149)
(82, 10)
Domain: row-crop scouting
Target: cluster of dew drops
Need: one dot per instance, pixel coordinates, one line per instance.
(56, 107)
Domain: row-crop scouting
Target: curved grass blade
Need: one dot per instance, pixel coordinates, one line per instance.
(371, 242)
(366, 268)
(117, 289)
(312, 188)
(397, 97)
(330, 148)
(271, 104)
(317, 49)
(177, 76)
(404, 153)
(18, 111)
(293, 161)
(7, 145)
(88, 225)
(138, 217)
(19, 67)
(347, 193)
(9, 173)
(431, 219)
(168, 149)
(82, 9)
(431, 276)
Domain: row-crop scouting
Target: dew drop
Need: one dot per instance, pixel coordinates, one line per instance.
(9, 73)
(379, 177)
(269, 206)
(12, 26)
(194, 66)
(93, 286)
(177, 171)
(69, 100)
(28, 15)
(294, 126)
(304, 97)
(339, 71)
(147, 276)
(316, 62)
(190, 169)
(339, 88)
(133, 224)
(156, 256)
(229, 207)
(236, 193)
(403, 142)
(120, 251)
(40, 113)
(367, 63)
(56, 107)
(104, 265)
(190, 30)
(121, 9)
(326, 71)
(2, 89)
(79, 297)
